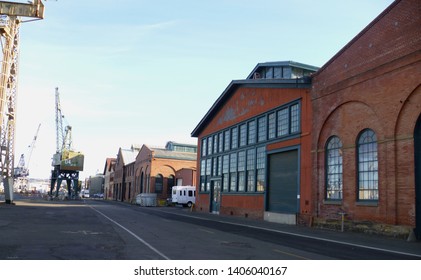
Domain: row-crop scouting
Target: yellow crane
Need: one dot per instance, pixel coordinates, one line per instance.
(11, 16)
(66, 161)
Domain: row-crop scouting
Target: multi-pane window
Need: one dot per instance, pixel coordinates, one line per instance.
(203, 167)
(210, 145)
(260, 167)
(225, 172)
(334, 182)
(215, 144)
(241, 171)
(295, 118)
(227, 140)
(368, 176)
(219, 170)
(283, 122)
(214, 166)
(272, 125)
(208, 166)
(252, 132)
(221, 142)
(251, 162)
(262, 130)
(204, 147)
(231, 155)
(234, 138)
(233, 172)
(159, 183)
(202, 175)
(243, 135)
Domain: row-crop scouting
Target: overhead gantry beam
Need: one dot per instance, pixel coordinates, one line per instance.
(33, 10)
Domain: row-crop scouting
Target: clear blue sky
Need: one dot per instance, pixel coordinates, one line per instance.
(146, 72)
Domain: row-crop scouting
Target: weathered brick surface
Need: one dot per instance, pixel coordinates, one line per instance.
(373, 83)
(246, 103)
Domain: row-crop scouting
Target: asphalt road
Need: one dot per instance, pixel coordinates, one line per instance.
(103, 230)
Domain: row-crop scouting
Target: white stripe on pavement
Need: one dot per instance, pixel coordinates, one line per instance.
(132, 233)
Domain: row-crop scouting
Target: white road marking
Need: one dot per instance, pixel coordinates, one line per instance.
(296, 234)
(132, 233)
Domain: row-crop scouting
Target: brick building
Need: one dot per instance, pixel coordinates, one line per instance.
(254, 146)
(124, 173)
(109, 177)
(366, 126)
(157, 170)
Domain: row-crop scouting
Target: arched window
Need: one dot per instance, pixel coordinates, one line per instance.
(141, 182)
(334, 182)
(368, 175)
(159, 183)
(171, 183)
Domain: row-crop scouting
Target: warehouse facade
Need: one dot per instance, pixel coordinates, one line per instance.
(366, 126)
(254, 144)
(282, 146)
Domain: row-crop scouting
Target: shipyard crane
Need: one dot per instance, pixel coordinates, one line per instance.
(66, 161)
(11, 16)
(21, 172)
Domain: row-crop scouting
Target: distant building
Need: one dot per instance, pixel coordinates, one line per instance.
(123, 173)
(109, 177)
(95, 184)
(158, 169)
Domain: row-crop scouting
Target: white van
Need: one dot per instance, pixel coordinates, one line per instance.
(84, 193)
(184, 195)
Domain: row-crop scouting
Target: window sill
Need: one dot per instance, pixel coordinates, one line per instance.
(332, 202)
(367, 203)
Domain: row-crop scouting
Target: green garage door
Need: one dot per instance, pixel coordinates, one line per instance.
(283, 182)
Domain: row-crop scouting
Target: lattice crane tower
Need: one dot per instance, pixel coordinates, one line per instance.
(11, 15)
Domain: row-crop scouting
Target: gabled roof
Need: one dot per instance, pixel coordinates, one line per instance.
(235, 84)
(359, 35)
(109, 164)
(169, 154)
(164, 153)
(129, 155)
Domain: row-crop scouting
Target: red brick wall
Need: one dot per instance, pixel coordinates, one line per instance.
(374, 83)
(153, 166)
(246, 103)
(249, 102)
(393, 35)
(248, 206)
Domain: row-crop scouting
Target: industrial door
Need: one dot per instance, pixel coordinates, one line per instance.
(283, 188)
(215, 196)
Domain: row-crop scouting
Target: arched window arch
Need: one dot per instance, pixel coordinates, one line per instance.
(159, 182)
(334, 169)
(367, 165)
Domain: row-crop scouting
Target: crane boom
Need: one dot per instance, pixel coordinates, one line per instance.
(32, 146)
(59, 124)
